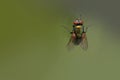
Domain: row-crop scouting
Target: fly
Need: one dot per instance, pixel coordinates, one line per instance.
(78, 35)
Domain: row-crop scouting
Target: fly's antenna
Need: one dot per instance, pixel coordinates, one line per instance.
(80, 16)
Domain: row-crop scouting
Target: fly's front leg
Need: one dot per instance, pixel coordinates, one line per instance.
(86, 29)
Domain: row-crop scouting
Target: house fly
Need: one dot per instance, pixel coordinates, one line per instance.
(78, 35)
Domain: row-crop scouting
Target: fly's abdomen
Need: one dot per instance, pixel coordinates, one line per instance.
(77, 41)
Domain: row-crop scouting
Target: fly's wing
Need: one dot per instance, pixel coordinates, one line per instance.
(70, 44)
(84, 42)
(72, 39)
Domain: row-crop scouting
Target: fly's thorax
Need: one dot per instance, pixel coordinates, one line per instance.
(79, 29)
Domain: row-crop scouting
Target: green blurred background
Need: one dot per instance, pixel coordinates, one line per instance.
(33, 41)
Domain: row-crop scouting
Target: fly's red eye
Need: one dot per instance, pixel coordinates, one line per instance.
(75, 22)
(78, 21)
(81, 22)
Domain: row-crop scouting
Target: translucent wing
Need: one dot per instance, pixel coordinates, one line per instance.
(70, 44)
(84, 42)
